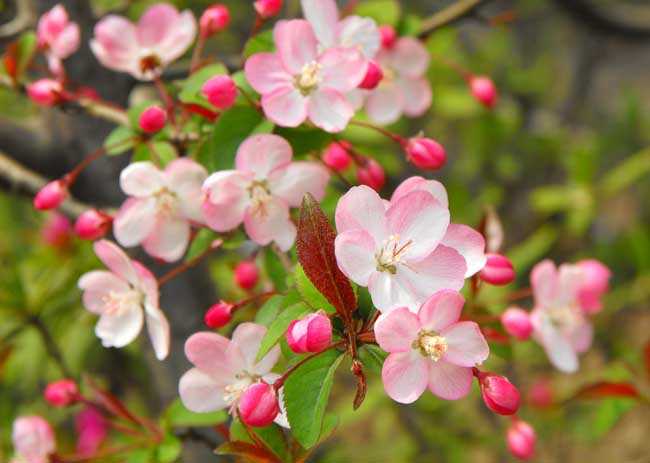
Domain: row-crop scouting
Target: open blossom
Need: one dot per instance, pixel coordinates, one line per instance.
(224, 368)
(431, 349)
(58, 37)
(161, 207)
(33, 439)
(405, 250)
(144, 49)
(300, 82)
(261, 190)
(559, 323)
(123, 298)
(404, 88)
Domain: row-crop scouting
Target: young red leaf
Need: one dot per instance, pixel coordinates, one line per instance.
(10, 59)
(607, 389)
(249, 451)
(315, 243)
(494, 335)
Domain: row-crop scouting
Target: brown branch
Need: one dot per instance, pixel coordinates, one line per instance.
(446, 16)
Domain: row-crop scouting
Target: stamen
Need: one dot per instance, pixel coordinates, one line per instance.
(430, 344)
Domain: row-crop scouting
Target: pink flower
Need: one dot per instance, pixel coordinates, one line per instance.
(259, 405)
(62, 393)
(57, 37)
(310, 334)
(299, 82)
(594, 285)
(123, 298)
(56, 231)
(371, 174)
(161, 36)
(224, 368)
(92, 429)
(405, 250)
(246, 274)
(33, 439)
(404, 88)
(261, 190)
(559, 324)
(521, 439)
(161, 207)
(430, 349)
(218, 315)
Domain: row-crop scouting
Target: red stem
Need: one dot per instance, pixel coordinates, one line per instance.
(169, 102)
(181, 268)
(393, 136)
(280, 381)
(71, 176)
(196, 54)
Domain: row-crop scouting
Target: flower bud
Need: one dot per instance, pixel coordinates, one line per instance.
(310, 334)
(92, 429)
(267, 8)
(219, 315)
(483, 90)
(214, 20)
(595, 283)
(336, 156)
(33, 439)
(498, 270)
(425, 153)
(388, 35)
(220, 91)
(62, 393)
(371, 174)
(540, 394)
(246, 274)
(50, 196)
(45, 92)
(521, 439)
(499, 394)
(517, 323)
(56, 231)
(373, 76)
(92, 224)
(258, 405)
(152, 119)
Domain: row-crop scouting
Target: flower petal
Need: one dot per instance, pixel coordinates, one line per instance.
(450, 382)
(582, 336)
(329, 110)
(200, 393)
(208, 352)
(558, 348)
(343, 69)
(323, 15)
(361, 33)
(96, 285)
(469, 243)
(179, 40)
(262, 154)
(466, 346)
(120, 329)
(410, 57)
(293, 181)
(396, 330)
(441, 310)
(296, 44)
(226, 199)
(141, 179)
(544, 282)
(116, 260)
(115, 43)
(247, 339)
(416, 96)
(270, 221)
(569, 281)
(405, 376)
(266, 73)
(384, 104)
(158, 328)
(417, 183)
(169, 239)
(185, 177)
(135, 221)
(362, 208)
(285, 106)
(355, 255)
(155, 24)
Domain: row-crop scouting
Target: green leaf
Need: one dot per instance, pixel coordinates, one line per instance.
(260, 43)
(271, 435)
(191, 91)
(305, 140)
(382, 11)
(306, 393)
(122, 137)
(169, 450)
(274, 269)
(177, 415)
(269, 311)
(140, 456)
(372, 357)
(249, 451)
(201, 242)
(164, 152)
(627, 172)
(309, 292)
(26, 47)
(242, 83)
(279, 326)
(135, 111)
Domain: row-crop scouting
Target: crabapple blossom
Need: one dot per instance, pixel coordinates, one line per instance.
(92, 429)
(123, 298)
(56, 231)
(267, 8)
(152, 119)
(595, 283)
(499, 394)
(258, 405)
(498, 270)
(92, 224)
(33, 439)
(404, 88)
(213, 20)
(310, 334)
(144, 49)
(299, 82)
(425, 153)
(336, 155)
(371, 174)
(260, 191)
(483, 90)
(220, 91)
(161, 208)
(62, 393)
(51, 195)
(218, 315)
(521, 439)
(246, 274)
(559, 323)
(58, 37)
(431, 349)
(224, 368)
(517, 323)
(46, 92)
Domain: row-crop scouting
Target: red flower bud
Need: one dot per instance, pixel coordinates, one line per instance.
(498, 270)
(425, 153)
(336, 156)
(214, 20)
(517, 323)
(521, 439)
(62, 393)
(374, 75)
(483, 90)
(46, 92)
(267, 8)
(152, 119)
(540, 394)
(220, 91)
(246, 274)
(499, 394)
(56, 231)
(218, 315)
(92, 224)
(258, 405)
(310, 334)
(50, 196)
(388, 35)
(371, 174)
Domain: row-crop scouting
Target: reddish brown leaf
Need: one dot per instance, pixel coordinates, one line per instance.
(646, 358)
(607, 389)
(247, 450)
(362, 385)
(494, 335)
(315, 243)
(11, 60)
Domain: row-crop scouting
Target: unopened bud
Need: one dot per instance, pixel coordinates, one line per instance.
(517, 323)
(483, 90)
(388, 35)
(62, 393)
(594, 284)
(246, 274)
(45, 92)
(258, 405)
(498, 270)
(50, 196)
(56, 231)
(267, 8)
(499, 394)
(92, 225)
(425, 153)
(521, 439)
(220, 91)
(214, 20)
(336, 156)
(152, 119)
(373, 76)
(371, 174)
(219, 315)
(310, 334)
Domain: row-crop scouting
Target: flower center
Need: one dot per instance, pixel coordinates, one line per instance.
(149, 62)
(233, 392)
(259, 193)
(308, 79)
(166, 201)
(391, 254)
(430, 344)
(389, 76)
(116, 303)
(562, 317)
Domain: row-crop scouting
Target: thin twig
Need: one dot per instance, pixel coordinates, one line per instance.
(446, 16)
(50, 345)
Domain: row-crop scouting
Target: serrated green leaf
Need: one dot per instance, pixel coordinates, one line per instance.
(269, 311)
(191, 91)
(279, 326)
(260, 43)
(177, 415)
(309, 292)
(122, 137)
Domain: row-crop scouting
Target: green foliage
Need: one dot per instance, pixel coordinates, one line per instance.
(278, 327)
(177, 415)
(119, 140)
(382, 11)
(309, 293)
(191, 90)
(260, 43)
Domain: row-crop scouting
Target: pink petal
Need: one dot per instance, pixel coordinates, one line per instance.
(141, 179)
(469, 243)
(96, 285)
(405, 376)
(441, 310)
(559, 350)
(570, 279)
(389, 292)
(329, 110)
(384, 104)
(266, 73)
(285, 106)
(155, 24)
(421, 184)
(179, 40)
(247, 339)
(270, 221)
(343, 69)
(200, 393)
(262, 154)
(169, 239)
(207, 352)
(135, 221)
(116, 260)
(582, 336)
(466, 346)
(185, 177)
(409, 57)
(296, 44)
(450, 382)
(361, 33)
(396, 330)
(120, 329)
(115, 43)
(362, 208)
(148, 283)
(355, 255)
(323, 15)
(226, 199)
(293, 181)
(158, 329)
(416, 96)
(67, 42)
(544, 282)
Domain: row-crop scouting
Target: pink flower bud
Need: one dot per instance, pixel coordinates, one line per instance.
(388, 35)
(371, 174)
(62, 393)
(56, 231)
(219, 315)
(33, 439)
(498, 270)
(540, 394)
(267, 8)
(483, 90)
(259, 405)
(374, 75)
(214, 20)
(310, 334)
(595, 283)
(246, 274)
(425, 153)
(521, 439)
(92, 429)
(50, 196)
(46, 92)
(336, 156)
(92, 225)
(499, 394)
(152, 119)
(220, 91)
(517, 323)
